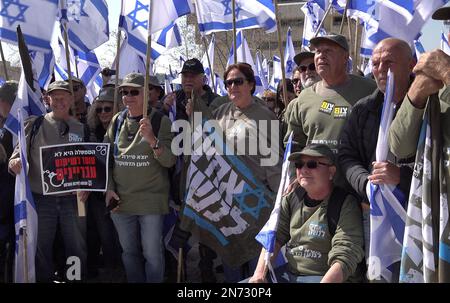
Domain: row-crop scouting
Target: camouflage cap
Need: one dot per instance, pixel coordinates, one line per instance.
(8, 91)
(58, 85)
(133, 80)
(106, 94)
(314, 150)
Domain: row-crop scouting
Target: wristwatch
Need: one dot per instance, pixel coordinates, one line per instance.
(156, 146)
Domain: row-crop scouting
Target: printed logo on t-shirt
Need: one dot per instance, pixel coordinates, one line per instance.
(326, 107)
(301, 251)
(340, 112)
(316, 230)
(74, 138)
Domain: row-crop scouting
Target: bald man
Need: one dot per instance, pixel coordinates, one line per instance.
(359, 136)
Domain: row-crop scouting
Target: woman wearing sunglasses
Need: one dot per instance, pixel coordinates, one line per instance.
(101, 233)
(240, 121)
(316, 252)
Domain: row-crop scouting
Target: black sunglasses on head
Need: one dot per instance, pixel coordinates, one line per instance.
(311, 164)
(310, 66)
(237, 82)
(106, 109)
(133, 92)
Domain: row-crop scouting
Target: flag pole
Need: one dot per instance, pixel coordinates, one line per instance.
(283, 72)
(147, 64)
(66, 44)
(357, 38)
(341, 28)
(234, 32)
(211, 68)
(4, 62)
(350, 35)
(116, 82)
(323, 19)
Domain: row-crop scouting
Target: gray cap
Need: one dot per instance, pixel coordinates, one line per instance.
(58, 85)
(314, 150)
(335, 38)
(8, 91)
(106, 94)
(442, 14)
(153, 80)
(302, 55)
(133, 80)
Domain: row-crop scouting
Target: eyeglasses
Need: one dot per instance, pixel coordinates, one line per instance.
(303, 68)
(133, 92)
(106, 109)
(311, 164)
(237, 82)
(295, 81)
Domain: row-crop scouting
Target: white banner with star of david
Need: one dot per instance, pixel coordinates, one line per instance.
(36, 19)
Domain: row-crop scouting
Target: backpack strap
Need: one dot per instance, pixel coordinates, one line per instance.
(334, 208)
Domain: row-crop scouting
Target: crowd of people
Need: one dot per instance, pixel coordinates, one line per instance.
(324, 222)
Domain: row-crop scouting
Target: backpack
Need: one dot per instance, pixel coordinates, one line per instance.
(333, 214)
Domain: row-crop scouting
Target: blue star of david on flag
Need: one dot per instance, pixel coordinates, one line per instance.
(228, 10)
(75, 9)
(16, 6)
(246, 194)
(133, 16)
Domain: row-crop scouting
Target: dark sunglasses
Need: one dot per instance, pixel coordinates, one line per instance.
(303, 68)
(133, 92)
(237, 82)
(311, 164)
(106, 109)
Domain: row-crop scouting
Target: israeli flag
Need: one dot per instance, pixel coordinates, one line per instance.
(217, 15)
(168, 37)
(387, 204)
(289, 54)
(205, 63)
(25, 216)
(267, 235)
(418, 47)
(44, 64)
(36, 19)
(89, 71)
(368, 45)
(276, 74)
(220, 86)
(313, 15)
(261, 72)
(445, 46)
(87, 23)
(134, 19)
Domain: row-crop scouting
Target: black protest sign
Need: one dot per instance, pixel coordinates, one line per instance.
(73, 167)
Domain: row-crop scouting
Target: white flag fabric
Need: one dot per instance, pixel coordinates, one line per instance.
(87, 23)
(445, 46)
(276, 74)
(130, 60)
(217, 15)
(36, 19)
(220, 86)
(44, 64)
(25, 215)
(289, 54)
(387, 204)
(261, 72)
(313, 15)
(134, 19)
(418, 48)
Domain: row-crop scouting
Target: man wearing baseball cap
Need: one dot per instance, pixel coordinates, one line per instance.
(317, 250)
(320, 111)
(56, 127)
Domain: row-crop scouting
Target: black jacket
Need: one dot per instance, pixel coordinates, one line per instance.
(358, 143)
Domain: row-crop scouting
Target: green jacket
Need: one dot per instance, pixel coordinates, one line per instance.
(310, 248)
(139, 177)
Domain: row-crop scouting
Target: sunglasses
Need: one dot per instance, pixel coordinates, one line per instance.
(303, 68)
(106, 109)
(311, 164)
(237, 82)
(133, 92)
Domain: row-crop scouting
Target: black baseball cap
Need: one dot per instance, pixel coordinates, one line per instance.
(302, 55)
(442, 13)
(192, 66)
(314, 150)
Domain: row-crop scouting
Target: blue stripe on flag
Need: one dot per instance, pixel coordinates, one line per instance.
(101, 7)
(182, 7)
(30, 40)
(205, 225)
(227, 26)
(444, 251)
